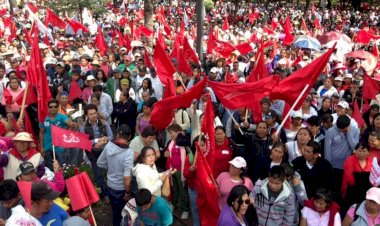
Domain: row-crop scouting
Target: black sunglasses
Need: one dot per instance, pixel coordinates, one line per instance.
(53, 106)
(247, 201)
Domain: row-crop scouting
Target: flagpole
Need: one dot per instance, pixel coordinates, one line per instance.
(233, 119)
(93, 216)
(53, 152)
(23, 102)
(292, 108)
(361, 106)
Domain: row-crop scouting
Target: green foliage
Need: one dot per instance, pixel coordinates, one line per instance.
(70, 170)
(209, 4)
(73, 7)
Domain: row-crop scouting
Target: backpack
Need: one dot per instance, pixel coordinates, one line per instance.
(356, 216)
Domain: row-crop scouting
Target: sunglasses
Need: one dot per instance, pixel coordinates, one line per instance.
(247, 201)
(53, 106)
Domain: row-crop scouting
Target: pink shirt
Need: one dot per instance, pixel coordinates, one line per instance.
(351, 213)
(87, 93)
(314, 219)
(225, 185)
(176, 158)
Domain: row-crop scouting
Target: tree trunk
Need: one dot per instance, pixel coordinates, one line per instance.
(12, 5)
(148, 14)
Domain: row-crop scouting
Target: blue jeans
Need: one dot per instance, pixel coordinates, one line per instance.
(117, 204)
(193, 196)
(99, 178)
(48, 158)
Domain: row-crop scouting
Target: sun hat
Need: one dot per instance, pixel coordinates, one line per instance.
(23, 136)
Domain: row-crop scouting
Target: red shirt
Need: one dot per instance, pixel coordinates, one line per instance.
(191, 176)
(223, 154)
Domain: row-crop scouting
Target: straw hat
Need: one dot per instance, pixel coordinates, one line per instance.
(23, 136)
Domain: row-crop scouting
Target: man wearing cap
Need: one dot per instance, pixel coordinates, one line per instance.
(53, 119)
(112, 84)
(42, 207)
(60, 81)
(20, 153)
(117, 158)
(342, 109)
(367, 212)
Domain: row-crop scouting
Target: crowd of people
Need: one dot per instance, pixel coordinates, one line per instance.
(313, 170)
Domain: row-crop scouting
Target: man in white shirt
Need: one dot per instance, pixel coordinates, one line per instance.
(342, 110)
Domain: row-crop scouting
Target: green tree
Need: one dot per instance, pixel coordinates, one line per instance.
(73, 7)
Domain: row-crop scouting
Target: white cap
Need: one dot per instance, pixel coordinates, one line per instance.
(214, 70)
(238, 162)
(297, 114)
(90, 77)
(338, 78)
(42, 46)
(348, 75)
(344, 104)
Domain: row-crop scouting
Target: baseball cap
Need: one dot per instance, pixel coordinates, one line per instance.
(338, 78)
(238, 162)
(61, 64)
(373, 194)
(271, 113)
(297, 114)
(90, 77)
(343, 104)
(124, 81)
(26, 167)
(214, 70)
(116, 70)
(336, 95)
(41, 190)
(348, 75)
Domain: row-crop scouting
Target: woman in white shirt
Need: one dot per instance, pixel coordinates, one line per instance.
(295, 148)
(146, 172)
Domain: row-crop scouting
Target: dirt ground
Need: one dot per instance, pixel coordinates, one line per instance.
(103, 216)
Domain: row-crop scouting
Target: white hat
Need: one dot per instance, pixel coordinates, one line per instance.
(130, 208)
(214, 70)
(338, 78)
(343, 104)
(23, 136)
(238, 162)
(373, 194)
(90, 77)
(348, 75)
(297, 114)
(281, 62)
(42, 46)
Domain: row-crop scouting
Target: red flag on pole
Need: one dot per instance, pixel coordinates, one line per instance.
(244, 48)
(25, 188)
(223, 48)
(52, 18)
(145, 31)
(162, 113)
(164, 66)
(290, 88)
(210, 42)
(304, 27)
(161, 40)
(30, 98)
(370, 88)
(288, 29)
(169, 90)
(76, 26)
(75, 91)
(234, 96)
(228, 78)
(259, 71)
(274, 24)
(188, 52)
(375, 51)
(147, 60)
(225, 26)
(7, 96)
(70, 139)
(100, 43)
(208, 129)
(183, 65)
(208, 194)
(38, 77)
(357, 116)
(81, 191)
(32, 7)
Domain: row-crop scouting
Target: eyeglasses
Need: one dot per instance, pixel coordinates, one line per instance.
(53, 106)
(247, 201)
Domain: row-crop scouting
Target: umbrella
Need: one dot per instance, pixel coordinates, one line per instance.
(369, 61)
(307, 42)
(136, 43)
(341, 46)
(333, 36)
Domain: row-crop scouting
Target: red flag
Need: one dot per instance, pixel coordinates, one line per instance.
(25, 188)
(253, 38)
(259, 71)
(31, 96)
(208, 129)
(100, 43)
(162, 113)
(370, 88)
(375, 51)
(52, 18)
(127, 42)
(223, 48)
(27, 36)
(225, 26)
(188, 52)
(183, 65)
(3, 12)
(357, 116)
(268, 30)
(76, 26)
(317, 24)
(81, 191)
(161, 40)
(228, 78)
(244, 48)
(274, 24)
(312, 8)
(121, 39)
(69, 139)
(29, 128)
(290, 88)
(147, 60)
(32, 7)
(208, 194)
(145, 31)
(7, 96)
(252, 17)
(210, 41)
(176, 47)
(234, 96)
(132, 26)
(164, 66)
(288, 39)
(75, 91)
(304, 27)
(123, 21)
(169, 90)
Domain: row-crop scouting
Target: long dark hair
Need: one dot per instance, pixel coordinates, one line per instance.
(237, 192)
(140, 158)
(193, 146)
